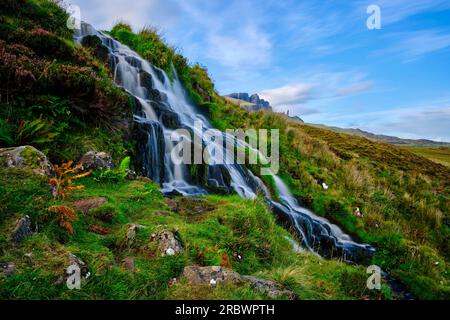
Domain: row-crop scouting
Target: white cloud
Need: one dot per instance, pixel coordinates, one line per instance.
(355, 88)
(413, 45)
(319, 86)
(416, 122)
(290, 94)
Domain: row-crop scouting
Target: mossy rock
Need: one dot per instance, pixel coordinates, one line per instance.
(26, 158)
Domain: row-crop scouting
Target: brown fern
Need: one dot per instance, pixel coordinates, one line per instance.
(65, 215)
(62, 186)
(62, 183)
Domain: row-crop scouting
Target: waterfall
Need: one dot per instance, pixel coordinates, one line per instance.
(161, 107)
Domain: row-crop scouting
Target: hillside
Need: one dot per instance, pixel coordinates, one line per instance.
(60, 98)
(386, 138)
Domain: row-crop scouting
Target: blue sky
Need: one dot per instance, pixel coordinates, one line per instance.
(316, 58)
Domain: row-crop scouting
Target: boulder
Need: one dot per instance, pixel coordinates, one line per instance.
(84, 205)
(203, 275)
(7, 268)
(96, 160)
(213, 275)
(270, 288)
(169, 242)
(22, 230)
(26, 158)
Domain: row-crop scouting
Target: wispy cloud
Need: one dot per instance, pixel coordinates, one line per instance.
(415, 122)
(393, 11)
(318, 86)
(415, 44)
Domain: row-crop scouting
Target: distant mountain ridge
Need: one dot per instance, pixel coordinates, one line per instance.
(250, 102)
(385, 138)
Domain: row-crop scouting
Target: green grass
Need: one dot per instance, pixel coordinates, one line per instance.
(440, 155)
(230, 225)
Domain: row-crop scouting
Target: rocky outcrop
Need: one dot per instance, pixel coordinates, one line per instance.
(95, 43)
(22, 230)
(213, 275)
(169, 242)
(93, 160)
(255, 102)
(26, 158)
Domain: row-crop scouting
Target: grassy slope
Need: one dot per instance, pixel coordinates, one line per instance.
(440, 155)
(230, 225)
(55, 95)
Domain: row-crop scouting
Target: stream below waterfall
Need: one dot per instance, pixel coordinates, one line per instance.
(162, 107)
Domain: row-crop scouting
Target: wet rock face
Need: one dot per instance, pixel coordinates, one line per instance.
(26, 158)
(96, 160)
(150, 149)
(22, 230)
(146, 79)
(95, 43)
(169, 243)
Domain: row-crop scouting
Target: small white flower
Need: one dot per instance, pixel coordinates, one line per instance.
(324, 186)
(213, 282)
(170, 252)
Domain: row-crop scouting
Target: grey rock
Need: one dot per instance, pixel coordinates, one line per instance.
(269, 287)
(22, 230)
(7, 268)
(74, 260)
(96, 160)
(169, 242)
(26, 158)
(203, 275)
(213, 275)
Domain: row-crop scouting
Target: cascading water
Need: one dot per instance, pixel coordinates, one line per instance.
(162, 107)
